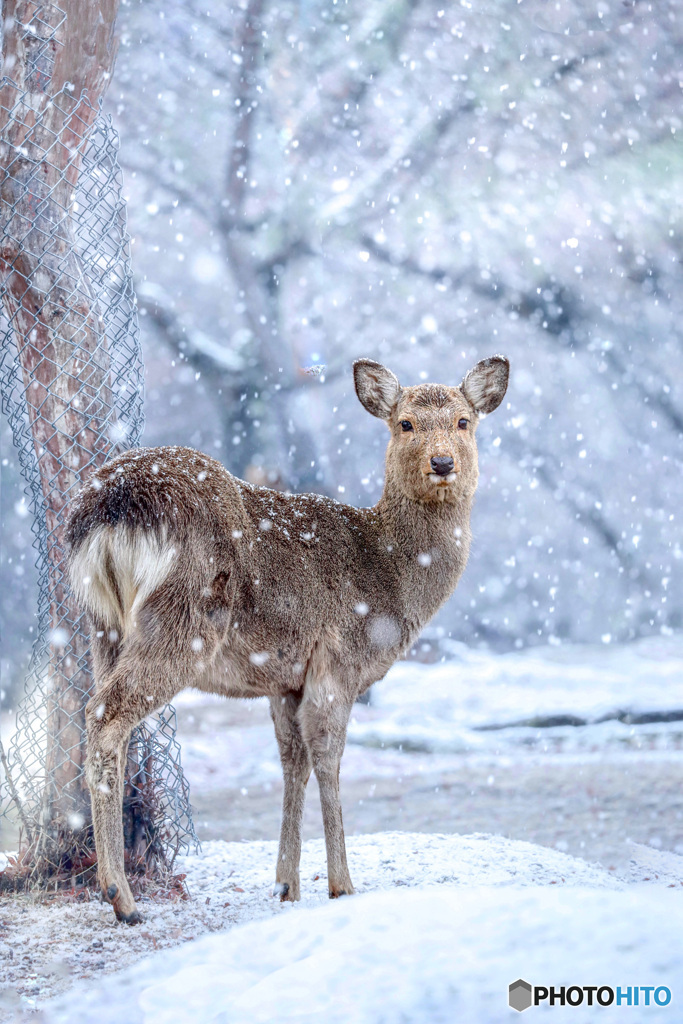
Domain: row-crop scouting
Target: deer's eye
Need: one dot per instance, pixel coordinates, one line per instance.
(462, 424)
(406, 425)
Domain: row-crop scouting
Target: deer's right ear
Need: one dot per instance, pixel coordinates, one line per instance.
(377, 388)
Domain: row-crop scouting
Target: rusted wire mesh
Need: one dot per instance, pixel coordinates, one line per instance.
(71, 379)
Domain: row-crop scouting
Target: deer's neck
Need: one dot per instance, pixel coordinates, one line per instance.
(429, 542)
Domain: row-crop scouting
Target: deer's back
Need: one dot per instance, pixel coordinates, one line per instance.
(282, 579)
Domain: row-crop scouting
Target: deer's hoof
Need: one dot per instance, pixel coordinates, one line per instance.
(135, 917)
(112, 894)
(336, 893)
(286, 893)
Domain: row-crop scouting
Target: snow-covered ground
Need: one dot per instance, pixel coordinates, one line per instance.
(442, 923)
(423, 957)
(440, 926)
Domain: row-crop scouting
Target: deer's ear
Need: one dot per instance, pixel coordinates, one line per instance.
(485, 385)
(377, 388)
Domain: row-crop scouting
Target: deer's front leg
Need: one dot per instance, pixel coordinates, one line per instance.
(324, 717)
(296, 770)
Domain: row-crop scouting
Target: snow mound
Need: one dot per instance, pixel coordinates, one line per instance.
(468, 885)
(430, 957)
(662, 867)
(386, 860)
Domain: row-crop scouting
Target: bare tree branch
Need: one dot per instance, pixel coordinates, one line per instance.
(196, 346)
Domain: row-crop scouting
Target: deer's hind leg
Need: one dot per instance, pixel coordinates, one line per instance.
(296, 770)
(130, 688)
(169, 644)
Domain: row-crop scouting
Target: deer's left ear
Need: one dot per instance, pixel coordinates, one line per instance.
(485, 385)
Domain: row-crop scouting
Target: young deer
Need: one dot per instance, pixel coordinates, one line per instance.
(192, 577)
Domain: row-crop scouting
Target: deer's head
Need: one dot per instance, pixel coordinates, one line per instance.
(432, 453)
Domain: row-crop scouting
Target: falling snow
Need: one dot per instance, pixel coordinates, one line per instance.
(424, 187)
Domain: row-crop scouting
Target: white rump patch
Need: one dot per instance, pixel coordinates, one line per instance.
(139, 562)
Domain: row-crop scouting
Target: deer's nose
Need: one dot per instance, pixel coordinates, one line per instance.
(442, 465)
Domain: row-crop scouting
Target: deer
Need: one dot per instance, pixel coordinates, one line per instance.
(191, 577)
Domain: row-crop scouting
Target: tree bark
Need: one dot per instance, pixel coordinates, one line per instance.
(60, 72)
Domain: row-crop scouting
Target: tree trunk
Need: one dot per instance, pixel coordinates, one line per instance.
(60, 71)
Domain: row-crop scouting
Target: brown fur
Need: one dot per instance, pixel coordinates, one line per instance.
(194, 578)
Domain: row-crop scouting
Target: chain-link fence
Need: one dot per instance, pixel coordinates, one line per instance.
(71, 379)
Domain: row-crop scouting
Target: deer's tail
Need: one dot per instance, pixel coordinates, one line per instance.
(114, 569)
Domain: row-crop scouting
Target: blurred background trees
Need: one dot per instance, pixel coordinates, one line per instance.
(315, 180)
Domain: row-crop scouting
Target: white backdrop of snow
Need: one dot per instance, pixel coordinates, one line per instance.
(441, 707)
